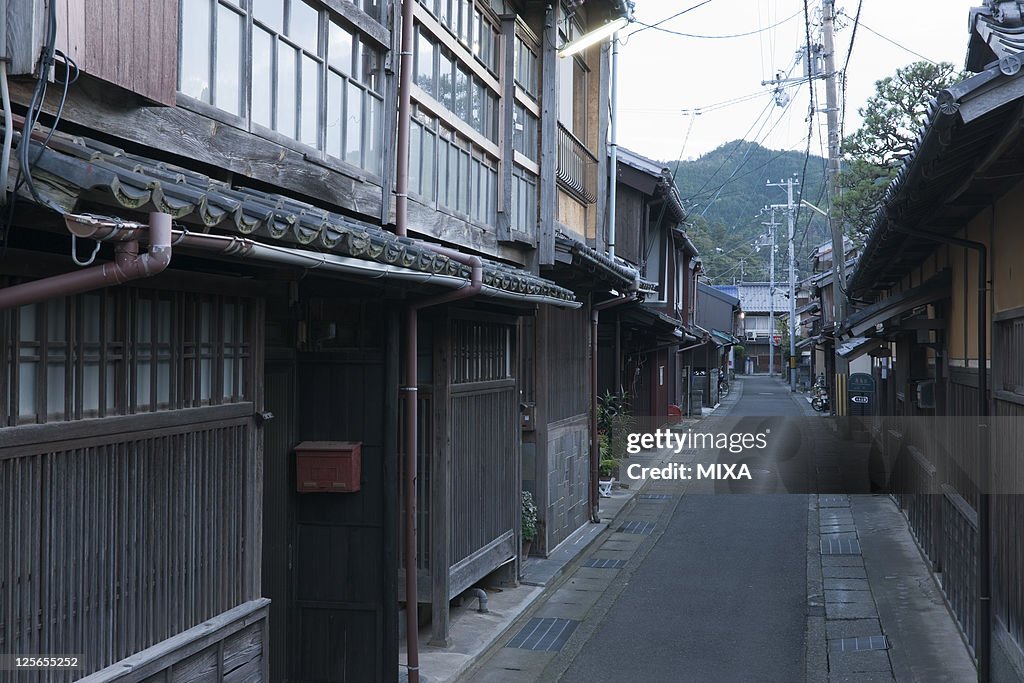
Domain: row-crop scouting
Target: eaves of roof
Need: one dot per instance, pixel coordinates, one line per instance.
(73, 167)
(603, 265)
(970, 126)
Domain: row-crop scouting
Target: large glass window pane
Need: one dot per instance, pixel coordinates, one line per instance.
(286, 90)
(339, 49)
(270, 12)
(229, 60)
(194, 71)
(374, 133)
(27, 390)
(425, 63)
(446, 87)
(55, 385)
(310, 101)
(461, 94)
(429, 163)
(335, 114)
(453, 174)
(464, 182)
(304, 26)
(354, 125)
(415, 157)
(478, 191)
(443, 177)
(370, 66)
(262, 76)
(476, 113)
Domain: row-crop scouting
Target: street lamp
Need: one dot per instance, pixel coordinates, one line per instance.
(593, 37)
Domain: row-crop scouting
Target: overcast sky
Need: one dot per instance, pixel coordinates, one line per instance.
(662, 74)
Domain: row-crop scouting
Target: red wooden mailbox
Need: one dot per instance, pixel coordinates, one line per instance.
(327, 466)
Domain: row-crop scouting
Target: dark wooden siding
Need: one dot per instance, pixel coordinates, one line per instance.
(566, 337)
(130, 43)
(339, 539)
(484, 452)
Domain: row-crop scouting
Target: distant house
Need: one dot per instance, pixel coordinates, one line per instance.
(718, 316)
(644, 345)
(758, 305)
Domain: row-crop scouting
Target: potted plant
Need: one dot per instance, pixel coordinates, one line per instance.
(529, 522)
(608, 465)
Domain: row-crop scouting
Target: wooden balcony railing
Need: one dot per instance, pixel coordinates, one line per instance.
(577, 167)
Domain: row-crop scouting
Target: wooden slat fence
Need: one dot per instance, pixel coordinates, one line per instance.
(119, 545)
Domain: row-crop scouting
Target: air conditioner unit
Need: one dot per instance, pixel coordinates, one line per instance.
(751, 335)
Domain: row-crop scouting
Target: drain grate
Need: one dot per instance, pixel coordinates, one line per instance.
(655, 496)
(835, 546)
(544, 634)
(602, 563)
(863, 644)
(636, 527)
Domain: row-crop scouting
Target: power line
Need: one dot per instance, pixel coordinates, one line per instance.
(890, 40)
(723, 37)
(677, 14)
(846, 65)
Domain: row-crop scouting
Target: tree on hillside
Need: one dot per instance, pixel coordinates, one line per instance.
(873, 154)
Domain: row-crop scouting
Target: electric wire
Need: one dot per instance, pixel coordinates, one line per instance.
(722, 37)
(677, 14)
(890, 40)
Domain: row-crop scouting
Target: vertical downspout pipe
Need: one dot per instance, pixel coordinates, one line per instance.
(595, 447)
(614, 145)
(410, 395)
(983, 646)
(128, 265)
(404, 110)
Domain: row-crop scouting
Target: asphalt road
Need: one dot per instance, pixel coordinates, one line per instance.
(722, 594)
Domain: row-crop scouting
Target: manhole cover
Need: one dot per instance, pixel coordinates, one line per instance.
(603, 563)
(635, 527)
(545, 634)
(835, 546)
(864, 643)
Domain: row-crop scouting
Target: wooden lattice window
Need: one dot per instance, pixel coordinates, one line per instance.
(481, 352)
(1009, 355)
(124, 351)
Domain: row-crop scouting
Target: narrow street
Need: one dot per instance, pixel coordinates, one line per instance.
(705, 584)
(722, 592)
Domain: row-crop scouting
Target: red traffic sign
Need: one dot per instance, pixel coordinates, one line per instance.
(777, 339)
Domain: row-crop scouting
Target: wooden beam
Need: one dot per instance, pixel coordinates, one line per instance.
(508, 32)
(548, 144)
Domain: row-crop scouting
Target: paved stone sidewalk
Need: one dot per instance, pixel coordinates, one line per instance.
(874, 611)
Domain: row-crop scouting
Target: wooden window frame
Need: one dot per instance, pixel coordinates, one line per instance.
(368, 35)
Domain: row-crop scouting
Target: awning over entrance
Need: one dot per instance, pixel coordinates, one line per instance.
(863, 321)
(722, 338)
(858, 346)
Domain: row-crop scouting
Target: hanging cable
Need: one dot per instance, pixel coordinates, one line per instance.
(677, 14)
(723, 37)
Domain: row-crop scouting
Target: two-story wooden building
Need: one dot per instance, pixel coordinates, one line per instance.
(946, 310)
(201, 273)
(645, 343)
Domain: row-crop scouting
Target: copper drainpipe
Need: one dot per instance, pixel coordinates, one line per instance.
(412, 337)
(128, 265)
(595, 448)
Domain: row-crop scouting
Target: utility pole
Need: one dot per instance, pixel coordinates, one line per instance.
(842, 368)
(771, 291)
(791, 215)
